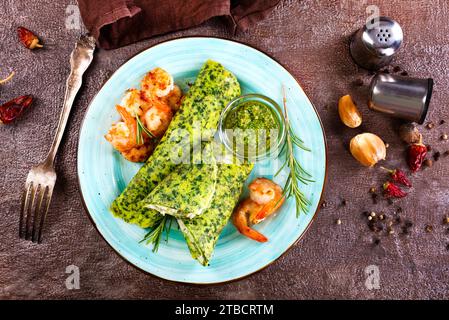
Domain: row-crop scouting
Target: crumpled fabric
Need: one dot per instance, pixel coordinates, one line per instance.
(116, 23)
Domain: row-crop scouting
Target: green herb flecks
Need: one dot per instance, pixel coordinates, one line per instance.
(155, 235)
(297, 172)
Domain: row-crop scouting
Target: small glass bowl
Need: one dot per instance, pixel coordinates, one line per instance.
(275, 109)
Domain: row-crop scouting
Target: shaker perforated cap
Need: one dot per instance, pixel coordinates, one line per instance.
(374, 45)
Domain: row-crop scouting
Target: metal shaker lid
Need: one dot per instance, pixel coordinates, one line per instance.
(383, 38)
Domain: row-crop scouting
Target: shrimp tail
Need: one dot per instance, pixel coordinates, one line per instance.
(240, 220)
(252, 234)
(125, 114)
(261, 215)
(267, 210)
(130, 122)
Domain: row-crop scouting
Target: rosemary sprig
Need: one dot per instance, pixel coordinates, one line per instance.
(154, 235)
(168, 230)
(297, 172)
(140, 129)
(139, 137)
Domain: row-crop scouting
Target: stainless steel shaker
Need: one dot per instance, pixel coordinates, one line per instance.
(374, 46)
(402, 97)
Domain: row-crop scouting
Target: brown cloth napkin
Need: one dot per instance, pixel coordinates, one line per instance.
(115, 23)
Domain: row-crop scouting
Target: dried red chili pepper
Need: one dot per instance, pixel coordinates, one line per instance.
(397, 175)
(416, 154)
(393, 191)
(28, 38)
(14, 108)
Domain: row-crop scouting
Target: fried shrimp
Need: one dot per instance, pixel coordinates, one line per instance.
(134, 102)
(157, 118)
(145, 114)
(157, 83)
(174, 98)
(265, 198)
(267, 193)
(240, 218)
(119, 136)
(139, 153)
(122, 136)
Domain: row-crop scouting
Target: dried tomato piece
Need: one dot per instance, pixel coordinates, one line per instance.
(11, 110)
(28, 38)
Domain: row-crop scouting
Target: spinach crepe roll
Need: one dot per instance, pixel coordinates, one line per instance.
(187, 191)
(213, 89)
(202, 232)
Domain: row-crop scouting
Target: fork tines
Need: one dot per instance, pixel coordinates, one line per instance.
(35, 203)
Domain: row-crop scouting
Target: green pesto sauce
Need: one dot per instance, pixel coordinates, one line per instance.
(256, 120)
(251, 115)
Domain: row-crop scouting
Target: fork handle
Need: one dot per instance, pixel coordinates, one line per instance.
(80, 60)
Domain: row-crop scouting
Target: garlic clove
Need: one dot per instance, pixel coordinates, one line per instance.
(409, 133)
(368, 149)
(349, 114)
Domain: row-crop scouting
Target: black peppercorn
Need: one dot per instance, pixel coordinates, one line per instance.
(374, 196)
(436, 156)
(375, 227)
(390, 230)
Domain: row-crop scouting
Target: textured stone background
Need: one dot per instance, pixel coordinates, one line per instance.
(310, 38)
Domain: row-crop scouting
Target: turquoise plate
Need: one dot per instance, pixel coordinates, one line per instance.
(103, 173)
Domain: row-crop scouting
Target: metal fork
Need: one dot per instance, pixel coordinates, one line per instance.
(41, 179)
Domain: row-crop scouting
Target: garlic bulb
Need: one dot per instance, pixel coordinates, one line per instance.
(368, 149)
(349, 114)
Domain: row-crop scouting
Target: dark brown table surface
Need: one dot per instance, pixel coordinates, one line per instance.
(310, 39)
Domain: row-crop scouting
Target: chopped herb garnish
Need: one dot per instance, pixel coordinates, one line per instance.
(154, 236)
(140, 129)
